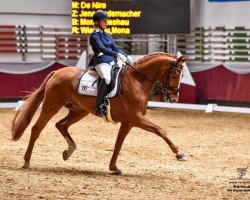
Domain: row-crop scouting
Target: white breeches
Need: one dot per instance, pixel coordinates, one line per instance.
(104, 71)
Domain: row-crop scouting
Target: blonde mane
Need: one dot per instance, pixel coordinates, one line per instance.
(153, 54)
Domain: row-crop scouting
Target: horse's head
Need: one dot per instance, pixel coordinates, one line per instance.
(165, 71)
(171, 80)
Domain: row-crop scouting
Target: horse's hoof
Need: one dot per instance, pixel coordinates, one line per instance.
(26, 166)
(65, 155)
(181, 157)
(117, 173)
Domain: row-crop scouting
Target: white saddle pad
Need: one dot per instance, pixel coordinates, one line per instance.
(88, 85)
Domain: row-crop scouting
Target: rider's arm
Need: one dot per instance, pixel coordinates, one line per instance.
(115, 48)
(98, 44)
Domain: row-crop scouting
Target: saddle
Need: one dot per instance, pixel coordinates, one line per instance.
(90, 80)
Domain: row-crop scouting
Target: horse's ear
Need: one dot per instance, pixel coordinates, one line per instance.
(184, 59)
(180, 59)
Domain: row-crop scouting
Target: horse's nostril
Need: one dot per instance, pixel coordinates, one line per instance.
(166, 99)
(173, 100)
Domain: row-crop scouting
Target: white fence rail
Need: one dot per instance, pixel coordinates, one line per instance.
(209, 108)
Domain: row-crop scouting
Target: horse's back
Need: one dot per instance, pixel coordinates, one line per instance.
(65, 77)
(68, 71)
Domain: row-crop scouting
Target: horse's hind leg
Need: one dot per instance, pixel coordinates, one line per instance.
(73, 116)
(47, 112)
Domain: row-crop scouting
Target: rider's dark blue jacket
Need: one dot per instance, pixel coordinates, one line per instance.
(104, 47)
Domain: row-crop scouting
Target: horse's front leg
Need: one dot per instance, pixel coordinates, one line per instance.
(123, 132)
(147, 125)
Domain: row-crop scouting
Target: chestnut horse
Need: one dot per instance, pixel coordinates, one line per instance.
(60, 89)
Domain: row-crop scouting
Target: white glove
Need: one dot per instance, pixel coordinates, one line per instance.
(119, 63)
(129, 59)
(122, 57)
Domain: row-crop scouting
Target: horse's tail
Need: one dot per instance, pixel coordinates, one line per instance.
(26, 112)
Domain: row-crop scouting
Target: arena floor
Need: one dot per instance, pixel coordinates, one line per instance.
(215, 145)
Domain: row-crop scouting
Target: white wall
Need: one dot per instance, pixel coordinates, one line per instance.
(57, 12)
(36, 6)
(35, 12)
(230, 14)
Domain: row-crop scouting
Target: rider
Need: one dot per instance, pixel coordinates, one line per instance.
(105, 53)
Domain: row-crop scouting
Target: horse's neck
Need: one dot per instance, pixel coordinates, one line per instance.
(153, 68)
(150, 71)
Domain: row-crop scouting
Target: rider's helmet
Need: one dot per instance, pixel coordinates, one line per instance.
(100, 14)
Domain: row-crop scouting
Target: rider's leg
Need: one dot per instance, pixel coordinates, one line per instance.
(101, 94)
(104, 70)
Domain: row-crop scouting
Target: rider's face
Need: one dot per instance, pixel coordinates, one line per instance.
(103, 23)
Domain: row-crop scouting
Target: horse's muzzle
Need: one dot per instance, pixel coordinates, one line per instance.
(170, 99)
(174, 100)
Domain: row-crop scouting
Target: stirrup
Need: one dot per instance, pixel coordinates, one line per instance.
(108, 117)
(102, 110)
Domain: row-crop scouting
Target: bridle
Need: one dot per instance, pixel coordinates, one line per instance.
(174, 90)
(164, 90)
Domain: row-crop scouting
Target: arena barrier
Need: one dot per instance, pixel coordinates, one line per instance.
(209, 108)
(216, 44)
(203, 44)
(40, 43)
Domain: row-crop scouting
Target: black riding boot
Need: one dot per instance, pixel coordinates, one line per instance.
(101, 95)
